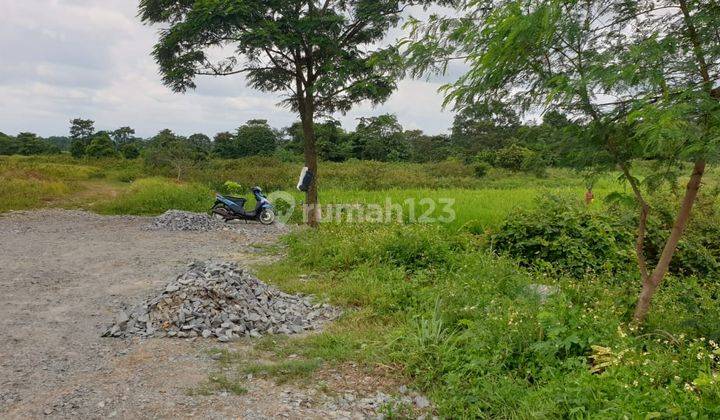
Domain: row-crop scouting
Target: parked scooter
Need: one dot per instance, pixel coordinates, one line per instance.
(233, 208)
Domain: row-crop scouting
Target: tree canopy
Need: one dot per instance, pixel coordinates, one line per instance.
(168, 150)
(380, 138)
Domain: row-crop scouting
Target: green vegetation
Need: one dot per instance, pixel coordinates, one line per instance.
(438, 303)
(218, 382)
(26, 144)
(151, 196)
(647, 93)
(525, 302)
(563, 236)
(134, 187)
(466, 326)
(285, 371)
(323, 58)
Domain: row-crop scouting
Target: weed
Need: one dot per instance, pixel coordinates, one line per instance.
(218, 382)
(285, 371)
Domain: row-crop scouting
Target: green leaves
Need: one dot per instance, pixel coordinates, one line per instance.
(322, 52)
(612, 62)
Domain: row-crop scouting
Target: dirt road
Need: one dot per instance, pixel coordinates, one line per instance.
(64, 275)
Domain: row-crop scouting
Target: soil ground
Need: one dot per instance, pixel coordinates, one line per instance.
(65, 275)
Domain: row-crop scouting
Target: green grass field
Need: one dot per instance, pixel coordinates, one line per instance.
(127, 187)
(435, 301)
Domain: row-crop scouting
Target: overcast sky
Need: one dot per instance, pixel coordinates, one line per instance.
(62, 59)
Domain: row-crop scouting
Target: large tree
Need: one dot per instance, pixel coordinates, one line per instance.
(8, 144)
(256, 137)
(484, 126)
(30, 144)
(380, 138)
(123, 135)
(641, 76)
(333, 143)
(323, 55)
(101, 146)
(168, 150)
(425, 148)
(81, 133)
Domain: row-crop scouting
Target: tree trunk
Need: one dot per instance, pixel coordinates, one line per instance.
(312, 207)
(651, 283)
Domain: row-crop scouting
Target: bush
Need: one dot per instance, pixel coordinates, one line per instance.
(451, 167)
(233, 188)
(564, 236)
(481, 169)
(518, 158)
(512, 157)
(78, 147)
(486, 156)
(698, 252)
(169, 151)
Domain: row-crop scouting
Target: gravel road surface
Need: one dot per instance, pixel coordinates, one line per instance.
(66, 275)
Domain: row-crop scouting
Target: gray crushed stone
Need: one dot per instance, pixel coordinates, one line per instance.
(185, 221)
(374, 406)
(178, 220)
(221, 300)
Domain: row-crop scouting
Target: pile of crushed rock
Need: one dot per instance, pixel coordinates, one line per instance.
(178, 220)
(221, 300)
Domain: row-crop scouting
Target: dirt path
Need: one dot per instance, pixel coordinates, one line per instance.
(64, 275)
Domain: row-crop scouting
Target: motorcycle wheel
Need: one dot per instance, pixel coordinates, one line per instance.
(220, 211)
(267, 217)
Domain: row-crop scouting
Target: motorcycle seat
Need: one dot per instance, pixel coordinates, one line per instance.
(240, 201)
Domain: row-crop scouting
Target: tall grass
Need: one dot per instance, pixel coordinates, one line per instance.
(22, 194)
(151, 196)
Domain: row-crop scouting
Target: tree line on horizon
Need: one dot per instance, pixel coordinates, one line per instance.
(484, 133)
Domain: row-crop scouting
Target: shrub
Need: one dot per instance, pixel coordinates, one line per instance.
(512, 157)
(169, 151)
(562, 235)
(565, 236)
(8, 145)
(535, 164)
(698, 253)
(481, 169)
(451, 167)
(486, 156)
(78, 147)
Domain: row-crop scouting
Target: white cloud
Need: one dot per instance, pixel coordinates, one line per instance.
(91, 58)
